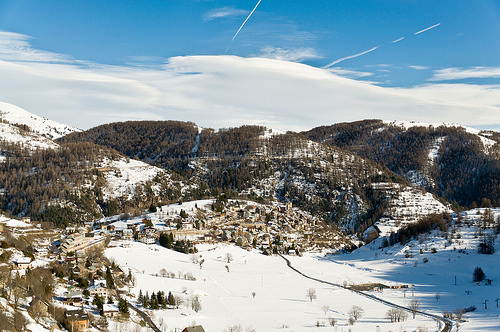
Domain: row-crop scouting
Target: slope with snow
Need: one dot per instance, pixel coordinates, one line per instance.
(123, 176)
(227, 294)
(487, 142)
(13, 134)
(438, 271)
(408, 205)
(45, 127)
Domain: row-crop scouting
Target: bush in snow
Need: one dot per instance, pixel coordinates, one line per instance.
(478, 274)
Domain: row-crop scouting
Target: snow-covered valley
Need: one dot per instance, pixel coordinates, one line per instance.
(263, 293)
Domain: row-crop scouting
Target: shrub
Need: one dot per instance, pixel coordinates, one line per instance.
(478, 274)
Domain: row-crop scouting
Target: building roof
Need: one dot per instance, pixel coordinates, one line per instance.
(109, 308)
(76, 315)
(23, 260)
(197, 328)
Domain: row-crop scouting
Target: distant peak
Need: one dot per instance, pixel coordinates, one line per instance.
(43, 126)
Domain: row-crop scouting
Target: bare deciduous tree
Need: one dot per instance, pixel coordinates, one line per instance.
(325, 309)
(396, 315)
(356, 312)
(414, 306)
(178, 301)
(195, 303)
(459, 314)
(311, 294)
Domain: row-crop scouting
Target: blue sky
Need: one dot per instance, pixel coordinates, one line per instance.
(462, 50)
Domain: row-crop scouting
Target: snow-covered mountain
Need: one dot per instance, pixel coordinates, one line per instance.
(45, 127)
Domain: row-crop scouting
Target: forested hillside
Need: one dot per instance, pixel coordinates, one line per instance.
(461, 166)
(261, 165)
(67, 184)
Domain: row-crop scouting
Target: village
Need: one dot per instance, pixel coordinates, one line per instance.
(85, 290)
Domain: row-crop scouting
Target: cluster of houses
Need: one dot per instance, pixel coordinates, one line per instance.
(246, 225)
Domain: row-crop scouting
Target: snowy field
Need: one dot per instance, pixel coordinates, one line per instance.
(393, 265)
(280, 302)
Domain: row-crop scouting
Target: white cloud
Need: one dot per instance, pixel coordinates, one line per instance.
(448, 74)
(224, 12)
(16, 47)
(296, 55)
(349, 73)
(225, 91)
(418, 67)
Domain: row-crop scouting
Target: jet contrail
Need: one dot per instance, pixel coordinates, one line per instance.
(237, 32)
(350, 57)
(397, 40)
(432, 27)
(373, 48)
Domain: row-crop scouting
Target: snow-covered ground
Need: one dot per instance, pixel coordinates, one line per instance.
(393, 265)
(13, 134)
(124, 175)
(280, 301)
(48, 128)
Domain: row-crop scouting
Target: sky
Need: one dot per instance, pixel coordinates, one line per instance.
(286, 64)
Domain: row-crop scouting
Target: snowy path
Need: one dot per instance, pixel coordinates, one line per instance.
(447, 323)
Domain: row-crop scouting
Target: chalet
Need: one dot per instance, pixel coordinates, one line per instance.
(38, 307)
(77, 270)
(109, 310)
(196, 328)
(187, 225)
(146, 239)
(128, 234)
(74, 299)
(118, 272)
(22, 263)
(98, 290)
(77, 319)
(150, 231)
(41, 252)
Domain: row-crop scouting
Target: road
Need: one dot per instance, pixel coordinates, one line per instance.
(146, 318)
(448, 324)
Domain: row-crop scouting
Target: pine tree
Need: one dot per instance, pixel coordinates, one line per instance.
(109, 278)
(170, 299)
(123, 306)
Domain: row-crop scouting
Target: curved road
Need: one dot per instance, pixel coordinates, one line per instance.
(448, 324)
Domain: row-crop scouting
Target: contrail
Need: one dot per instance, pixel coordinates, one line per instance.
(397, 40)
(237, 32)
(374, 48)
(350, 57)
(432, 27)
